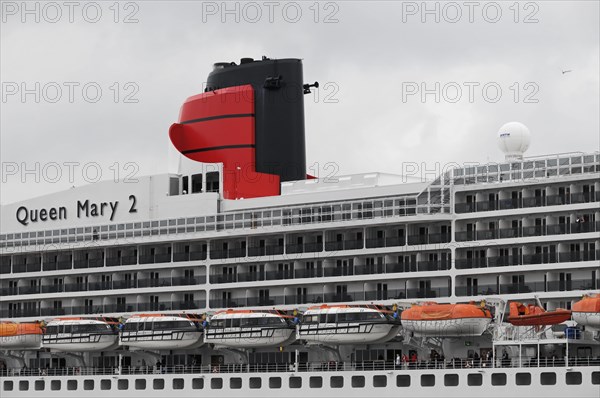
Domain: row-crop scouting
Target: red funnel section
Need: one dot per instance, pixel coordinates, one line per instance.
(218, 127)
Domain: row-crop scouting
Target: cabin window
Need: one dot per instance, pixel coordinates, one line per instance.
(451, 380)
(8, 385)
(595, 378)
(523, 379)
(216, 383)
(140, 384)
(178, 384)
(123, 384)
(574, 378)
(358, 381)
(197, 384)
(427, 380)
(547, 378)
(315, 382)
(196, 183)
(40, 385)
(475, 379)
(295, 382)
(499, 379)
(105, 384)
(403, 381)
(380, 381)
(55, 385)
(336, 381)
(158, 384)
(255, 382)
(23, 385)
(71, 385)
(274, 382)
(88, 384)
(235, 383)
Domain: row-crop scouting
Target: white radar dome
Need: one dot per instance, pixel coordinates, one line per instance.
(514, 139)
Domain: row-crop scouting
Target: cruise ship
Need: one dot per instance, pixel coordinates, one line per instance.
(242, 276)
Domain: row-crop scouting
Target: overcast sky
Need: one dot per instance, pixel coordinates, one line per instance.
(371, 53)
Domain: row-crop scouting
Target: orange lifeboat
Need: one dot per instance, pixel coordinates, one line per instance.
(533, 315)
(587, 311)
(20, 335)
(433, 319)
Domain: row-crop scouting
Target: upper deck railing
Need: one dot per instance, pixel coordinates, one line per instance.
(289, 216)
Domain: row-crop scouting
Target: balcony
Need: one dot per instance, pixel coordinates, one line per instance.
(530, 231)
(31, 267)
(529, 202)
(55, 266)
(312, 247)
(429, 239)
(527, 259)
(124, 260)
(351, 244)
(155, 258)
(90, 263)
(227, 253)
(265, 251)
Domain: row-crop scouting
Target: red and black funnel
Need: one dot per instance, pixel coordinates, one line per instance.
(251, 119)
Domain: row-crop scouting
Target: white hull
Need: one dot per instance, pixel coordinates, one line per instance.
(452, 327)
(280, 337)
(376, 383)
(173, 341)
(591, 319)
(23, 342)
(104, 343)
(348, 334)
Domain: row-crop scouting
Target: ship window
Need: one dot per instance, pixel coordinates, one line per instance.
(55, 385)
(178, 384)
(573, 378)
(235, 383)
(216, 383)
(71, 385)
(451, 380)
(235, 323)
(212, 181)
(255, 382)
(336, 381)
(23, 385)
(330, 318)
(380, 381)
(427, 380)
(547, 378)
(523, 379)
(105, 384)
(40, 385)
(296, 382)
(197, 384)
(196, 183)
(315, 382)
(403, 381)
(499, 379)
(158, 384)
(140, 384)
(596, 378)
(123, 384)
(358, 381)
(8, 385)
(274, 382)
(88, 384)
(217, 323)
(475, 379)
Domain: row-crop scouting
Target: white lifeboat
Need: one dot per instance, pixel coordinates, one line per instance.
(81, 334)
(345, 324)
(248, 329)
(162, 332)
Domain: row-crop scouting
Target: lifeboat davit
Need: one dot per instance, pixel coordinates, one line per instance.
(162, 332)
(20, 336)
(344, 324)
(248, 329)
(533, 315)
(433, 319)
(587, 311)
(81, 334)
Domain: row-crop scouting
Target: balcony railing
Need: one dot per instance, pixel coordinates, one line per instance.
(530, 231)
(528, 202)
(528, 287)
(527, 259)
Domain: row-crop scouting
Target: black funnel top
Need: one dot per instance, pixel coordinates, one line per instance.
(279, 107)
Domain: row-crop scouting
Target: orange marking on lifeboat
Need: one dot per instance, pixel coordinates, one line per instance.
(588, 304)
(8, 329)
(437, 312)
(533, 315)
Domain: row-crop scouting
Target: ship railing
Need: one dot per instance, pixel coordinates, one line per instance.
(331, 366)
